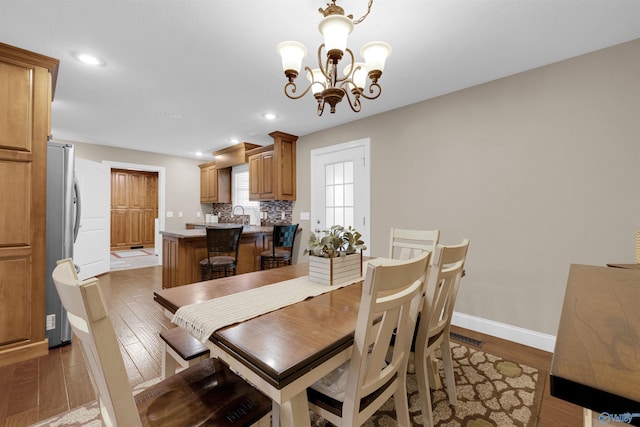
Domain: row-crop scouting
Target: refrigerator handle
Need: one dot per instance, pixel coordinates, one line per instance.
(76, 226)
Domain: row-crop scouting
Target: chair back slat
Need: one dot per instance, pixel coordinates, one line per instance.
(406, 244)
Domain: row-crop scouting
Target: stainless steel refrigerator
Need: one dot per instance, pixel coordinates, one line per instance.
(63, 221)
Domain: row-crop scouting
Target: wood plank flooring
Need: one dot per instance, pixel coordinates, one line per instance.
(35, 390)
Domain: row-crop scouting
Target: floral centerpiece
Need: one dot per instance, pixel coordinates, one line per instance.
(334, 256)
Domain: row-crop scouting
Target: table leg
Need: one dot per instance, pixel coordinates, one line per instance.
(275, 415)
(295, 412)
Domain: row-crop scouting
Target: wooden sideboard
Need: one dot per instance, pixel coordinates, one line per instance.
(182, 251)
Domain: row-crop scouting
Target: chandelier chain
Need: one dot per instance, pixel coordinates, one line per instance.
(365, 15)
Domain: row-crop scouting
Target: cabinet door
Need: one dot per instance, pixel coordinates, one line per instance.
(255, 189)
(119, 189)
(25, 100)
(208, 184)
(267, 170)
(148, 233)
(119, 228)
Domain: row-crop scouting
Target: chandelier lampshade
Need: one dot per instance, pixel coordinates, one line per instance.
(325, 82)
(375, 55)
(292, 54)
(336, 30)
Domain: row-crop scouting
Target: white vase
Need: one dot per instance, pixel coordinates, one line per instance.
(336, 270)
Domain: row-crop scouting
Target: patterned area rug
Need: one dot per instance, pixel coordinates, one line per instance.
(491, 392)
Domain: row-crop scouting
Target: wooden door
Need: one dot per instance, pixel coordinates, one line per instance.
(134, 208)
(25, 122)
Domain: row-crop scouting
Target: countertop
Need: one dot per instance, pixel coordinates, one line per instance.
(195, 233)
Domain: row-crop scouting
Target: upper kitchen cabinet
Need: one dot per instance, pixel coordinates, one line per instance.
(272, 169)
(215, 184)
(27, 82)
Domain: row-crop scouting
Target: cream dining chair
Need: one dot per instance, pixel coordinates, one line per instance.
(406, 244)
(443, 281)
(391, 297)
(205, 394)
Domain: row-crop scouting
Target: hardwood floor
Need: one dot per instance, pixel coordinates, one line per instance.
(35, 390)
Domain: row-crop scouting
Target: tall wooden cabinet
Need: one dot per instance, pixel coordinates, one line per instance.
(27, 82)
(272, 169)
(134, 208)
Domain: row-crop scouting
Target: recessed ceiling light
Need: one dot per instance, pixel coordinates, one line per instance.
(173, 115)
(199, 153)
(235, 140)
(270, 116)
(89, 59)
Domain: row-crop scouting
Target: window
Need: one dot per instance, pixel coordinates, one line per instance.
(339, 200)
(240, 193)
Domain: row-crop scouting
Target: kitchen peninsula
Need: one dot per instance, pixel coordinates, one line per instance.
(182, 251)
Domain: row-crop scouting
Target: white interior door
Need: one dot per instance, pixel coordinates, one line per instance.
(91, 249)
(340, 187)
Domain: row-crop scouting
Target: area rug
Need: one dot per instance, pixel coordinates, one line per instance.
(132, 253)
(491, 392)
(126, 260)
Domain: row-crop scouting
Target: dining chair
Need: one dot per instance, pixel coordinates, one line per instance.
(405, 243)
(281, 252)
(205, 394)
(443, 280)
(391, 297)
(223, 245)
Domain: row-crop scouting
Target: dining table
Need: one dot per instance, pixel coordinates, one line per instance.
(281, 352)
(596, 361)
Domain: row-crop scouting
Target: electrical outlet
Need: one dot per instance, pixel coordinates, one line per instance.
(198, 214)
(179, 214)
(283, 215)
(169, 214)
(51, 322)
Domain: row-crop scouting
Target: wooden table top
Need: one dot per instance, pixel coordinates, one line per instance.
(596, 362)
(285, 344)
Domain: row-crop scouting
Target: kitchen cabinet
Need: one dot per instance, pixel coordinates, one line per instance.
(272, 169)
(28, 82)
(215, 184)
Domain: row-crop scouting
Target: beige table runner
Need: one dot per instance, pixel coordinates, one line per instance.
(204, 318)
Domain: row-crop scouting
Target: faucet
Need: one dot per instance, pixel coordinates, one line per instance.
(233, 212)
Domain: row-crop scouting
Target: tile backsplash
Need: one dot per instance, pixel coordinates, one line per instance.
(273, 211)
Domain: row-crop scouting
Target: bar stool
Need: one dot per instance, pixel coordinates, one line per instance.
(284, 236)
(222, 249)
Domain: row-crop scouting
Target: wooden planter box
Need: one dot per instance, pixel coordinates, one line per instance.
(332, 271)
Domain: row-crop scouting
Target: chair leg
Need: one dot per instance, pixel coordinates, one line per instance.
(423, 364)
(445, 349)
(402, 404)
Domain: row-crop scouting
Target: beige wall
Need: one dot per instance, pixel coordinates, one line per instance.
(182, 177)
(539, 170)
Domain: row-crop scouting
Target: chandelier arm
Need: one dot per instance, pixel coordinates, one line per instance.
(324, 70)
(355, 103)
(290, 89)
(350, 75)
(375, 93)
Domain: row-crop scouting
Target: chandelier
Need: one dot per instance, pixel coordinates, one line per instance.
(326, 83)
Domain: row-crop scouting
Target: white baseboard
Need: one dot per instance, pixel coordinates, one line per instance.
(507, 332)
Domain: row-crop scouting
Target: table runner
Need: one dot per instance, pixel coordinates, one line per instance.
(204, 318)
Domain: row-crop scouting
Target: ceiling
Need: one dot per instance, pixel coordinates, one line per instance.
(184, 76)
